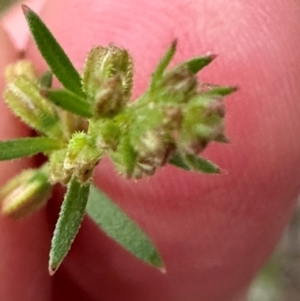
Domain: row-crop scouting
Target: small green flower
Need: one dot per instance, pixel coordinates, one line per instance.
(92, 116)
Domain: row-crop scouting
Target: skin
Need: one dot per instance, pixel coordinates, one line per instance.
(214, 232)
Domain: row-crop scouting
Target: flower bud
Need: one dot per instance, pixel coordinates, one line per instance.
(58, 174)
(104, 63)
(110, 99)
(177, 86)
(107, 133)
(172, 118)
(25, 193)
(82, 156)
(23, 96)
(21, 68)
(148, 165)
(153, 150)
(203, 122)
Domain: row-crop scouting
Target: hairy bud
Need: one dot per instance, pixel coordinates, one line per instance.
(21, 68)
(25, 193)
(82, 156)
(177, 86)
(110, 99)
(104, 63)
(23, 96)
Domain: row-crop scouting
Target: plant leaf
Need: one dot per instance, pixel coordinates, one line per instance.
(116, 224)
(194, 163)
(25, 147)
(68, 101)
(53, 53)
(68, 224)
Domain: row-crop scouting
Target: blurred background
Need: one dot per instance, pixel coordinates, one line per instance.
(279, 279)
(6, 4)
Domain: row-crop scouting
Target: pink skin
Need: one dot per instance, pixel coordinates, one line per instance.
(214, 232)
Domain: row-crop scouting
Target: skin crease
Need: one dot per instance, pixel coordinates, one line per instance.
(214, 232)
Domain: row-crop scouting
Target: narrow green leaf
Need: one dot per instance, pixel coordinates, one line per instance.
(194, 163)
(201, 164)
(68, 224)
(116, 224)
(68, 101)
(25, 147)
(198, 63)
(163, 64)
(52, 52)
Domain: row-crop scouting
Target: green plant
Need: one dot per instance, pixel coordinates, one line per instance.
(90, 117)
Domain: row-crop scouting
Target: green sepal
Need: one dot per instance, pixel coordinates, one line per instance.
(163, 64)
(200, 164)
(178, 160)
(68, 224)
(53, 53)
(25, 147)
(198, 63)
(194, 163)
(214, 90)
(117, 225)
(45, 81)
(68, 101)
(222, 138)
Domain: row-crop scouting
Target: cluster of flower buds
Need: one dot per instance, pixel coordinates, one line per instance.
(175, 116)
(172, 122)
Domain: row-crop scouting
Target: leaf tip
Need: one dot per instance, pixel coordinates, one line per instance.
(232, 89)
(212, 56)
(208, 58)
(174, 44)
(222, 172)
(26, 9)
(52, 270)
(163, 270)
(218, 170)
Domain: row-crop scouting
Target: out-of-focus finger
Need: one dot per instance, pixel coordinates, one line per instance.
(24, 243)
